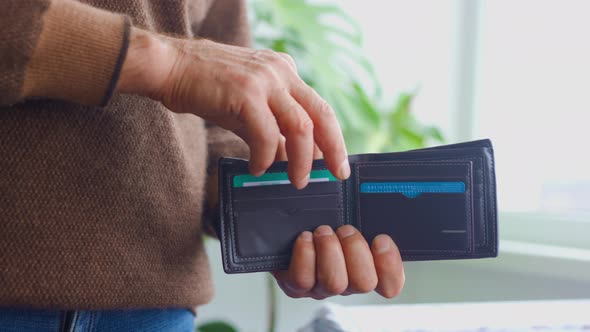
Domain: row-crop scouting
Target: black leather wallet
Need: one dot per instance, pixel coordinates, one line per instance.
(436, 203)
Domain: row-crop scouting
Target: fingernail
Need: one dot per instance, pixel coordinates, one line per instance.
(382, 243)
(344, 169)
(324, 231)
(306, 236)
(303, 182)
(345, 231)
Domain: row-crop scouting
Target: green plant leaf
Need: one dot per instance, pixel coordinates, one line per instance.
(216, 326)
(435, 134)
(330, 59)
(403, 102)
(413, 137)
(366, 104)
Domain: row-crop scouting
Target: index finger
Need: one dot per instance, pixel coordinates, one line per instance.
(327, 133)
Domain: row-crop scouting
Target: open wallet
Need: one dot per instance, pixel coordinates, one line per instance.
(436, 203)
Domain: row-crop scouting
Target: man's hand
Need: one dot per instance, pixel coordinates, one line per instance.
(255, 93)
(325, 263)
(259, 96)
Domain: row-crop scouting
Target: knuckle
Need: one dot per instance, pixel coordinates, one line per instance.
(323, 108)
(262, 60)
(366, 285)
(303, 284)
(273, 57)
(320, 105)
(287, 57)
(335, 286)
(264, 73)
(266, 54)
(249, 84)
(268, 59)
(302, 126)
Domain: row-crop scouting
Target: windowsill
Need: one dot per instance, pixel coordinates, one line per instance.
(541, 245)
(533, 260)
(547, 251)
(545, 229)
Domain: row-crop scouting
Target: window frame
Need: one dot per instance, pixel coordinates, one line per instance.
(530, 242)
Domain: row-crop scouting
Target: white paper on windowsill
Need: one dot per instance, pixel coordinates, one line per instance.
(567, 315)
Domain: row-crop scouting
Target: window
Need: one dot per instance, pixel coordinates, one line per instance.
(516, 72)
(532, 99)
(411, 45)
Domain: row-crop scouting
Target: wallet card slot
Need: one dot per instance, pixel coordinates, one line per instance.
(268, 228)
(278, 178)
(483, 203)
(250, 198)
(482, 232)
(426, 207)
(287, 190)
(413, 169)
(428, 222)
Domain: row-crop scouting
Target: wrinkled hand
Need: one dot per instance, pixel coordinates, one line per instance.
(257, 94)
(327, 263)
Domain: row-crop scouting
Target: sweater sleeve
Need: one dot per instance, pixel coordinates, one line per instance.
(60, 49)
(226, 22)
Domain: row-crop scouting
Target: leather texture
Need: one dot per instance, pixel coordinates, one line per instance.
(436, 203)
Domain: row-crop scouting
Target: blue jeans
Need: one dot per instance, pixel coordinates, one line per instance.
(149, 320)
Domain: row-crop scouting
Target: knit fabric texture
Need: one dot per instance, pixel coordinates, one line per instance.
(101, 207)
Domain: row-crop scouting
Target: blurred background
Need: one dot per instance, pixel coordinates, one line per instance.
(403, 74)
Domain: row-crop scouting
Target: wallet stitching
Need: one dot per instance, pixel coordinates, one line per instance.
(484, 194)
(237, 257)
(225, 239)
(436, 255)
(423, 163)
(342, 221)
(258, 267)
(493, 198)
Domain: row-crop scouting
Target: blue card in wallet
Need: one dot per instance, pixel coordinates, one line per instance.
(436, 203)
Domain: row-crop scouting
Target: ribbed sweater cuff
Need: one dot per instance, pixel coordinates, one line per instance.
(79, 54)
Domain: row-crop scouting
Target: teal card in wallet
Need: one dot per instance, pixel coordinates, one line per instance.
(273, 179)
(436, 203)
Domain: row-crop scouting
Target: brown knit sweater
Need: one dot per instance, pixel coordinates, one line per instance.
(102, 195)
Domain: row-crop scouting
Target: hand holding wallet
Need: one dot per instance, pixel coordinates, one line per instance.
(436, 203)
